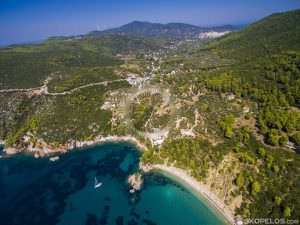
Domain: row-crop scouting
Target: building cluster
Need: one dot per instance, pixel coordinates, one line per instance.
(134, 79)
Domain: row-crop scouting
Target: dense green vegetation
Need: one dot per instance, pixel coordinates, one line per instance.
(16, 111)
(79, 76)
(27, 66)
(75, 116)
(276, 33)
(265, 174)
(266, 71)
(61, 119)
(276, 119)
(142, 109)
(24, 68)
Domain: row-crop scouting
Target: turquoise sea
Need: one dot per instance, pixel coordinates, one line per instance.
(37, 191)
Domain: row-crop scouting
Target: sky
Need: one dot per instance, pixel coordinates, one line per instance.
(34, 20)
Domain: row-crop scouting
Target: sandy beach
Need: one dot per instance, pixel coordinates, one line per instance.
(182, 175)
(197, 186)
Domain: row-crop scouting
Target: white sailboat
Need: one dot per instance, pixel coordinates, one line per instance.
(97, 184)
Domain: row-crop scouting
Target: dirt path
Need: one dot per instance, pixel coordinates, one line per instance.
(44, 88)
(81, 87)
(14, 90)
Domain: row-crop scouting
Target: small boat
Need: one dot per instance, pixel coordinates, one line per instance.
(132, 191)
(55, 158)
(97, 184)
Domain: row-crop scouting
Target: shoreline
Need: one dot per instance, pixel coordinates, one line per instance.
(197, 186)
(182, 176)
(46, 150)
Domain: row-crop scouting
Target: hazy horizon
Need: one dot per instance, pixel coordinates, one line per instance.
(35, 20)
(36, 41)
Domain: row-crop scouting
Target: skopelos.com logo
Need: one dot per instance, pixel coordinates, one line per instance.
(268, 221)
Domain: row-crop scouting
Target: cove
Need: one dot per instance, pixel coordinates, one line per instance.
(37, 191)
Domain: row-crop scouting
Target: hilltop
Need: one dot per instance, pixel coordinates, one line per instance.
(158, 30)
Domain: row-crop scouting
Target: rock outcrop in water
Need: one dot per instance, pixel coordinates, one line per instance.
(136, 181)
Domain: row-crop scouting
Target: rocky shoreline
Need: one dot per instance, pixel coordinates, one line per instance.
(44, 149)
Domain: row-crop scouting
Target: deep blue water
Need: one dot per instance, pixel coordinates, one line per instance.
(37, 191)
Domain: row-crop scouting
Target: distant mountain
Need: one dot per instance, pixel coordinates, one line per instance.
(273, 34)
(170, 30)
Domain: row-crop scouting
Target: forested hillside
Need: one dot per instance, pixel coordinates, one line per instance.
(259, 152)
(27, 66)
(268, 72)
(274, 34)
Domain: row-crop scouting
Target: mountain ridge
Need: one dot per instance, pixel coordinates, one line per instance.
(158, 30)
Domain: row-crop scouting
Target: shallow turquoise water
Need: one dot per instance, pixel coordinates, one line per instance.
(37, 191)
